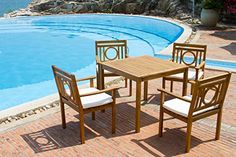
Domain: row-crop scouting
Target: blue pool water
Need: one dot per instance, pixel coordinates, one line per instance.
(30, 45)
(226, 65)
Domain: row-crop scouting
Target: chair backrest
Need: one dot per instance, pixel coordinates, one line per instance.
(67, 88)
(111, 50)
(189, 54)
(209, 92)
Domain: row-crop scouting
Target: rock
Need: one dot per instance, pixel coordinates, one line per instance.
(23, 115)
(146, 7)
(6, 122)
(94, 7)
(37, 111)
(44, 108)
(44, 5)
(150, 5)
(184, 16)
(31, 112)
(55, 104)
(9, 119)
(146, 13)
(55, 10)
(48, 106)
(119, 7)
(79, 8)
(180, 11)
(131, 8)
(68, 6)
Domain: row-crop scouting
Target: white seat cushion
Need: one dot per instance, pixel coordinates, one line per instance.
(94, 100)
(191, 75)
(181, 107)
(106, 71)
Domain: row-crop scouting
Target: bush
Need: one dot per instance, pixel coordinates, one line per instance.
(212, 4)
(230, 6)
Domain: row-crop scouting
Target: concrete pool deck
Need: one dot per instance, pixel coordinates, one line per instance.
(42, 134)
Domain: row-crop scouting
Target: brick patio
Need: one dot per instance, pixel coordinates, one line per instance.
(221, 41)
(42, 134)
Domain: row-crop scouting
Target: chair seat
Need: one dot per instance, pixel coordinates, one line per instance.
(191, 75)
(181, 107)
(94, 100)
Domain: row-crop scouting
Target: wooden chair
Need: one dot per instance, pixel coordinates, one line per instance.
(84, 100)
(195, 107)
(108, 50)
(181, 54)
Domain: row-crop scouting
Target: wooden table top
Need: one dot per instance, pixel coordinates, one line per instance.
(143, 67)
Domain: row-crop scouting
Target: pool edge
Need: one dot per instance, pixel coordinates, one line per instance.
(31, 105)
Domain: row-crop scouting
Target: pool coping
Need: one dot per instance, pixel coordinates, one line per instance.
(44, 101)
(31, 105)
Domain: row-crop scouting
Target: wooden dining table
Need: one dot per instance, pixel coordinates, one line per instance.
(141, 69)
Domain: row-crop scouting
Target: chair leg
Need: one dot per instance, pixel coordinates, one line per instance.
(188, 136)
(163, 83)
(82, 136)
(171, 86)
(113, 118)
(218, 125)
(93, 115)
(130, 87)
(126, 82)
(63, 117)
(98, 80)
(161, 122)
(191, 89)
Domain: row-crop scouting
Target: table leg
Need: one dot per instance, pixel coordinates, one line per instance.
(185, 82)
(145, 90)
(138, 105)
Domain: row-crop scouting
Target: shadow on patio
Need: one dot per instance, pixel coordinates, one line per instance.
(55, 137)
(231, 48)
(225, 34)
(165, 145)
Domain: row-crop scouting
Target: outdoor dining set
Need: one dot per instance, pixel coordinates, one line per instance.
(187, 65)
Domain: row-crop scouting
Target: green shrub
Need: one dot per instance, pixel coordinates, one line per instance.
(212, 4)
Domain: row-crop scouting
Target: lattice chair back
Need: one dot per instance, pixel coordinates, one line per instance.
(209, 93)
(191, 55)
(67, 88)
(111, 50)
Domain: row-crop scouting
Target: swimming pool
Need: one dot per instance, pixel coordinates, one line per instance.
(30, 45)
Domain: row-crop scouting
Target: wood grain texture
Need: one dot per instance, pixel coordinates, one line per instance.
(108, 50)
(142, 69)
(71, 97)
(181, 53)
(218, 85)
